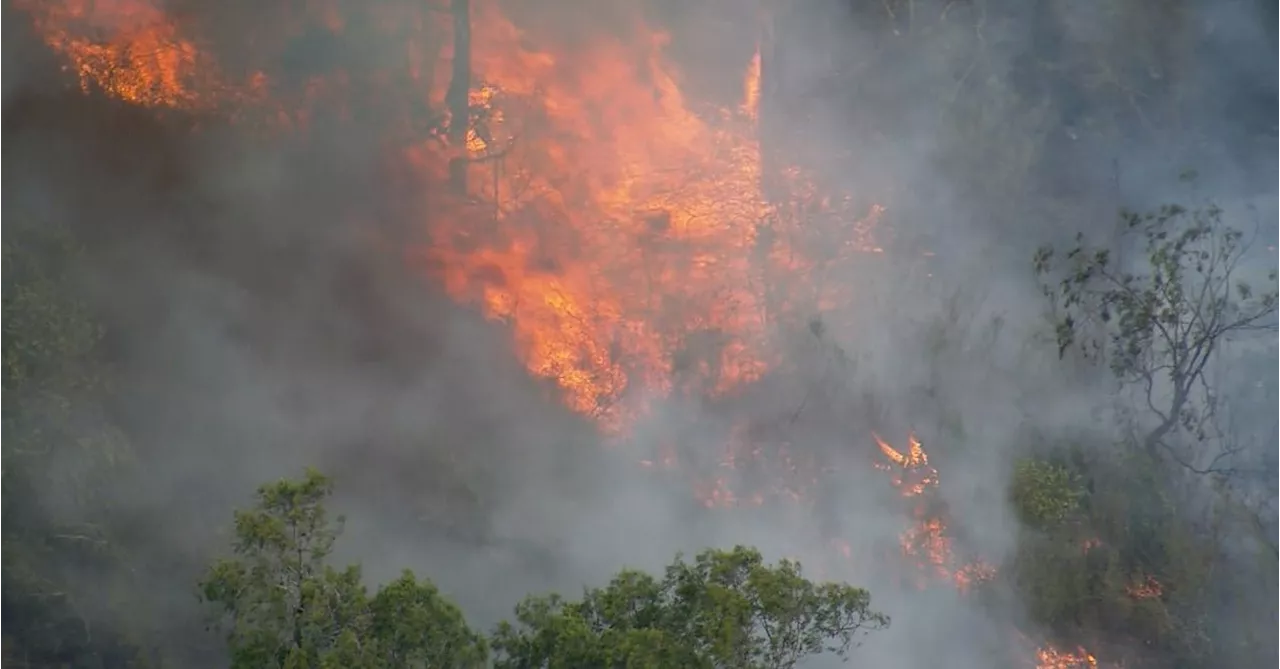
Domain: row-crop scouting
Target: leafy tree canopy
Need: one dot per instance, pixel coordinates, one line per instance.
(723, 609)
(283, 606)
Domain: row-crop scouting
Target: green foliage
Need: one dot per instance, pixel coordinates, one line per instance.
(1043, 494)
(1159, 325)
(414, 625)
(283, 606)
(61, 454)
(52, 378)
(725, 609)
(1123, 563)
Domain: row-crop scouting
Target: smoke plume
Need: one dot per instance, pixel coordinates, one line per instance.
(278, 292)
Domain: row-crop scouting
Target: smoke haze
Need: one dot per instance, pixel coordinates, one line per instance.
(266, 310)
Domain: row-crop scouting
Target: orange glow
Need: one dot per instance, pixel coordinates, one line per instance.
(129, 48)
(620, 234)
(926, 542)
(622, 237)
(973, 573)
(751, 88)
(912, 473)
(781, 475)
(1146, 588)
(1049, 657)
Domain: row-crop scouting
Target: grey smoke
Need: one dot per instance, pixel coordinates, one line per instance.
(259, 329)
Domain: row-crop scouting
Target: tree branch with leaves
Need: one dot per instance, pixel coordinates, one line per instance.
(723, 609)
(1160, 323)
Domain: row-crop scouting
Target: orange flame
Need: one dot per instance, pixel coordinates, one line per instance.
(621, 236)
(913, 473)
(134, 51)
(926, 541)
(1049, 657)
(653, 279)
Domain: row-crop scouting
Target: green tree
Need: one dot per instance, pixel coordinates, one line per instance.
(1160, 324)
(283, 605)
(724, 609)
(61, 452)
(1043, 493)
(1123, 564)
(413, 625)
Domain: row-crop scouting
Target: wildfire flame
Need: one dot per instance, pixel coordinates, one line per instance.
(1049, 657)
(654, 280)
(926, 542)
(623, 238)
(136, 52)
(912, 474)
(621, 234)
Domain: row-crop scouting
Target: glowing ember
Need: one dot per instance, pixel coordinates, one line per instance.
(975, 572)
(1052, 658)
(776, 473)
(1146, 588)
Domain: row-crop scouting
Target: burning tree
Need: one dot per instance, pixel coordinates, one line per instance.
(621, 233)
(927, 542)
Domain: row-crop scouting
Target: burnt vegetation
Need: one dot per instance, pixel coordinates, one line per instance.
(306, 262)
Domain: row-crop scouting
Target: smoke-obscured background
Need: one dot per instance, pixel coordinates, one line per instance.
(242, 302)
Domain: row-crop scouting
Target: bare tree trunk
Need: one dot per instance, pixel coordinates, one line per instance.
(766, 107)
(460, 86)
(457, 98)
(773, 111)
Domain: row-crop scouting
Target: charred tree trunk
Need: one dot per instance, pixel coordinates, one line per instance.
(766, 110)
(460, 85)
(457, 98)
